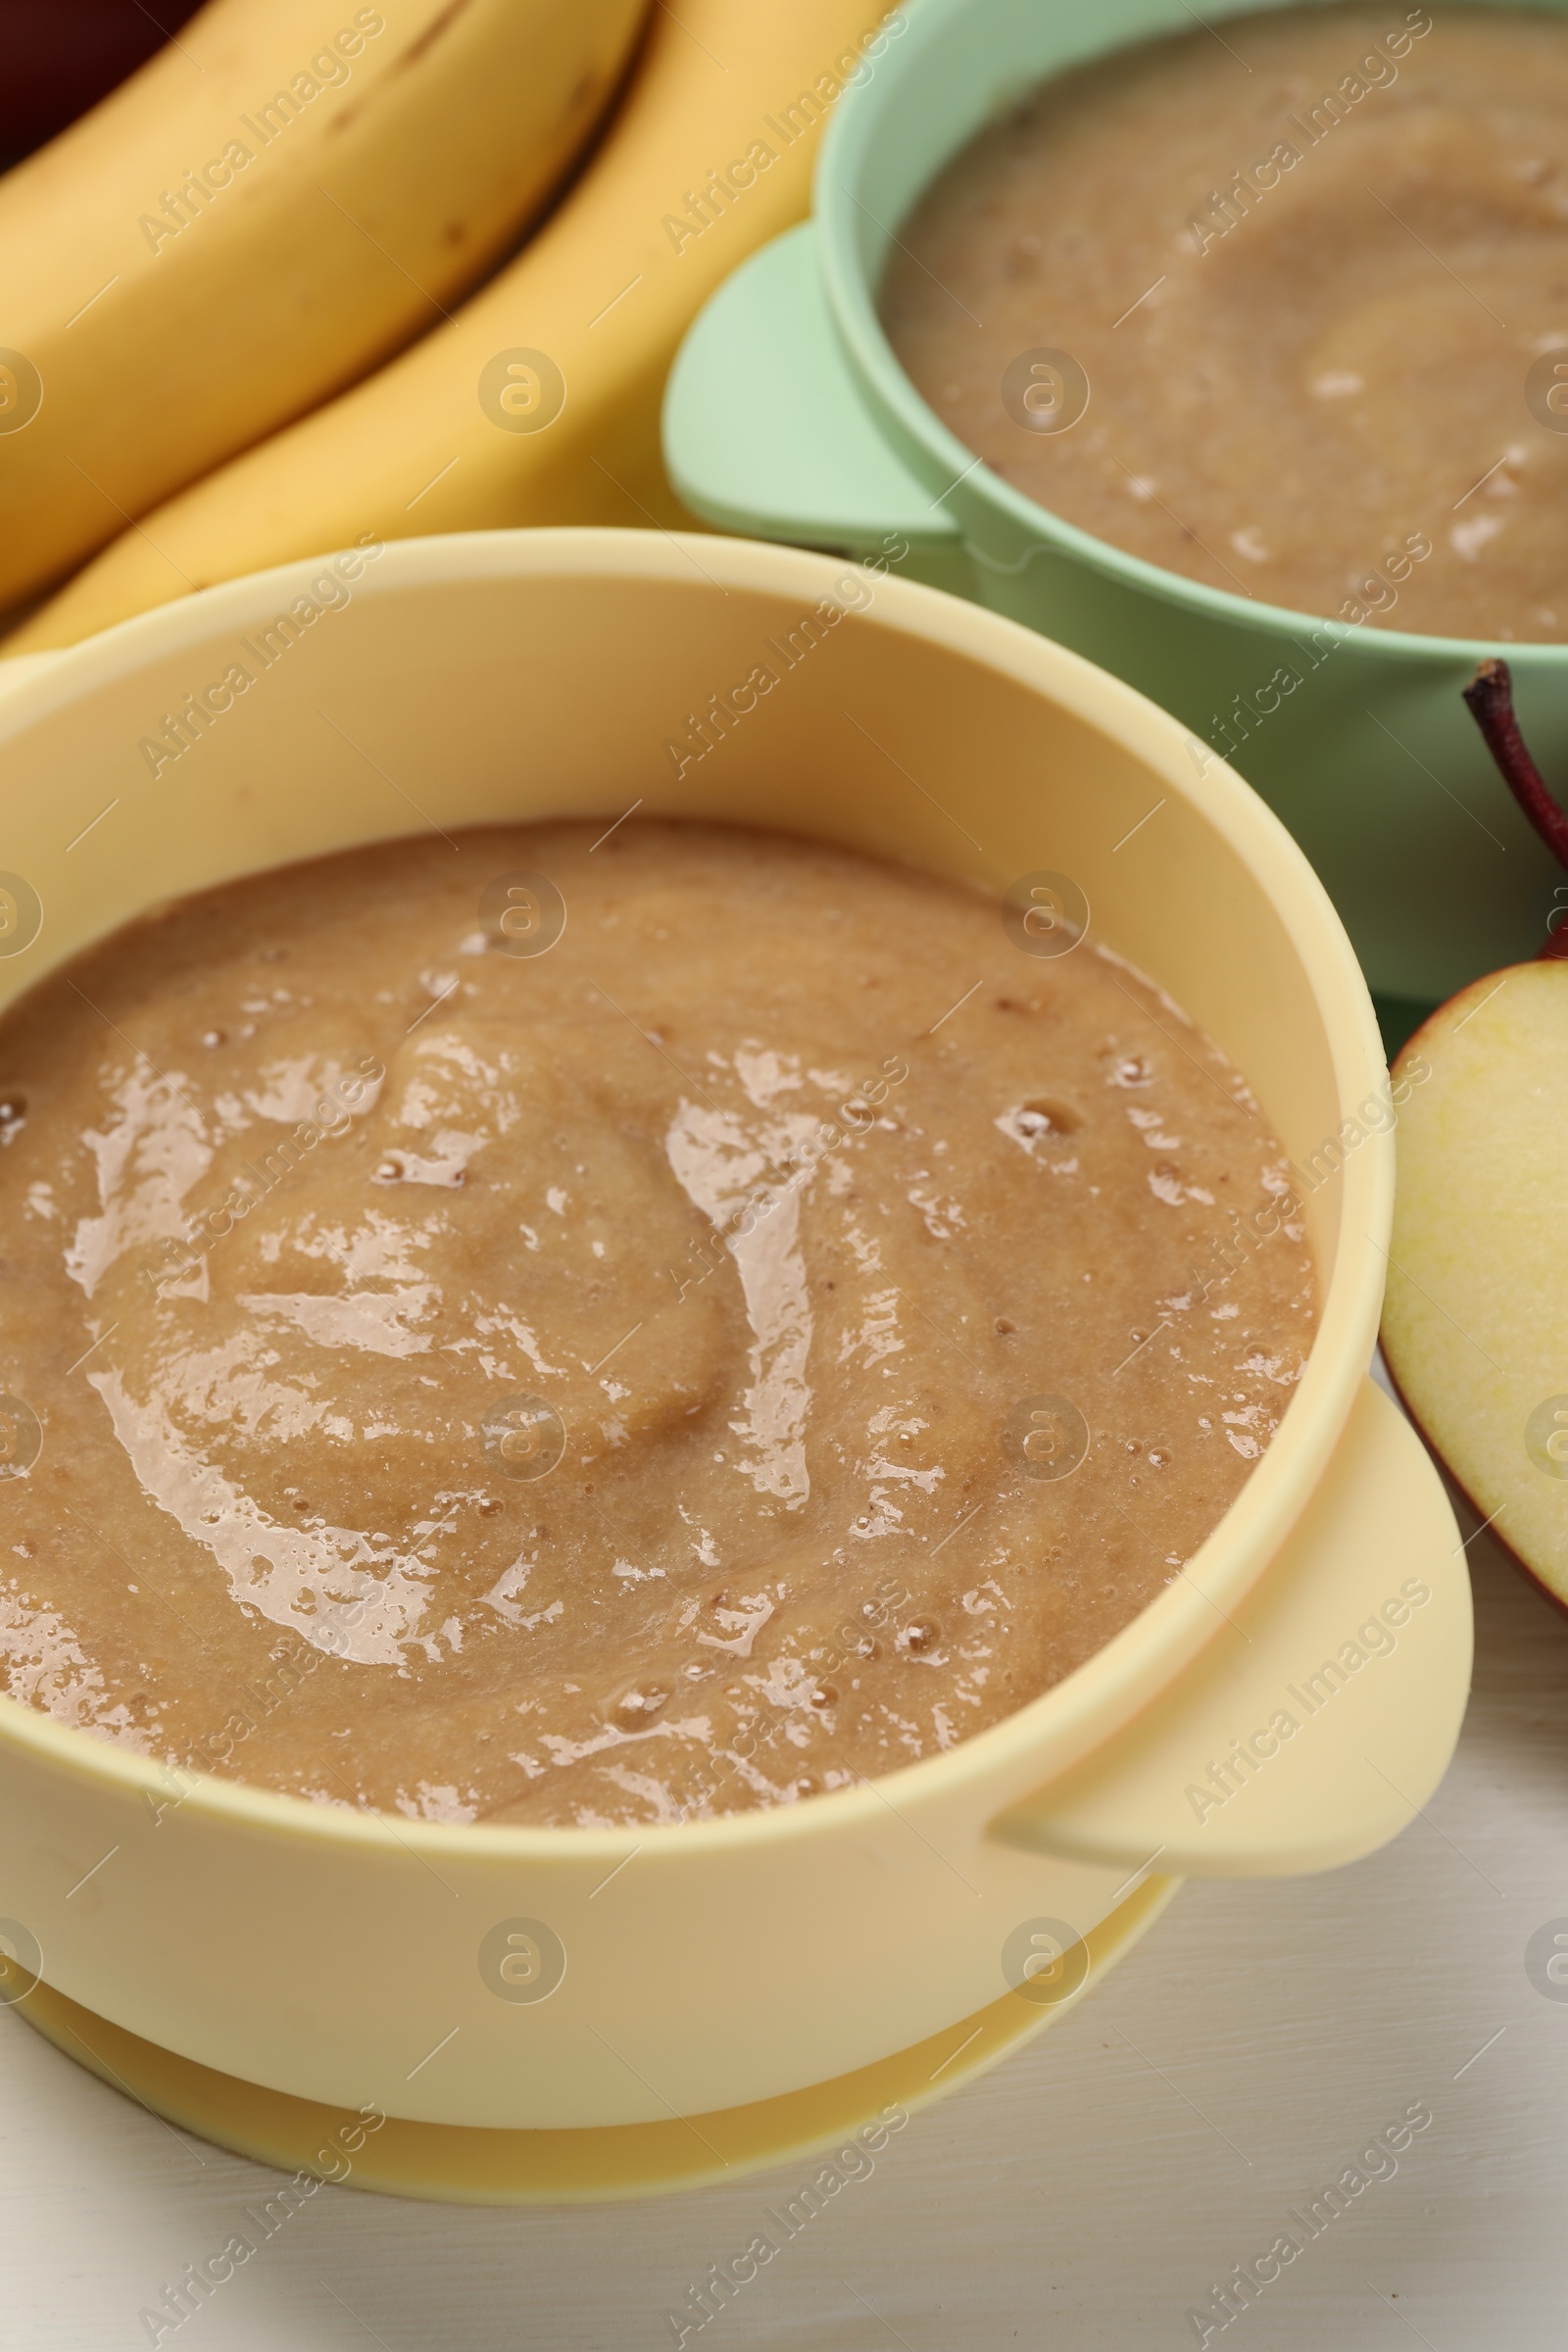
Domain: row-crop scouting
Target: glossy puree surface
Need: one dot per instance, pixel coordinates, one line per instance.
(755, 1334)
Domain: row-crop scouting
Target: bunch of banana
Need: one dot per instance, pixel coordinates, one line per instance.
(277, 201)
(539, 402)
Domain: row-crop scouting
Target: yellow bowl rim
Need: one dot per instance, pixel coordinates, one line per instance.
(1094, 1701)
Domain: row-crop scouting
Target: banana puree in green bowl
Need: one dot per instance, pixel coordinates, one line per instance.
(790, 414)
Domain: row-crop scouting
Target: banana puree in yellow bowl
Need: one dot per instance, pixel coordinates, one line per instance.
(691, 1247)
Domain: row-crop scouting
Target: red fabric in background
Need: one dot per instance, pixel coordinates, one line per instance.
(60, 57)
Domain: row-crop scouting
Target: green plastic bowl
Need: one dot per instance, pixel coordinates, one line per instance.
(788, 416)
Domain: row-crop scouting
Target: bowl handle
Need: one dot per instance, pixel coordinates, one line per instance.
(765, 432)
(1320, 1720)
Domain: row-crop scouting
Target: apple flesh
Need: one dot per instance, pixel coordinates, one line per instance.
(1475, 1322)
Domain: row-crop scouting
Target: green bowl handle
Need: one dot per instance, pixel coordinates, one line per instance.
(765, 432)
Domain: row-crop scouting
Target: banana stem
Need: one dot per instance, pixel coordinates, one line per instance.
(1489, 696)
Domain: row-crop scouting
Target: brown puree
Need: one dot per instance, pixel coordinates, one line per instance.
(1307, 264)
(784, 1179)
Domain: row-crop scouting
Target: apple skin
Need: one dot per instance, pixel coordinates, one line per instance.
(1474, 1320)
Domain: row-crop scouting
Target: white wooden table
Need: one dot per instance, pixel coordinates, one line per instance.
(1085, 2195)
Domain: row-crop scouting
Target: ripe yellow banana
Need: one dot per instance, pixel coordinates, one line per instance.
(539, 403)
(280, 199)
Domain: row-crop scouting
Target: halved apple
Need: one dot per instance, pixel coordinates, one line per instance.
(1474, 1321)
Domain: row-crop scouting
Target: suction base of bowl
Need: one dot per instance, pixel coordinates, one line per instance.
(459, 2164)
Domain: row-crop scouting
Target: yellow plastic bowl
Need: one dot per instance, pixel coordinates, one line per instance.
(335, 1957)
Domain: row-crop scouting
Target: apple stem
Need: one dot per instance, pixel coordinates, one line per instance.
(1489, 695)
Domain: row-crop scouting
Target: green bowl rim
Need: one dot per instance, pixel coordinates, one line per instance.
(840, 165)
